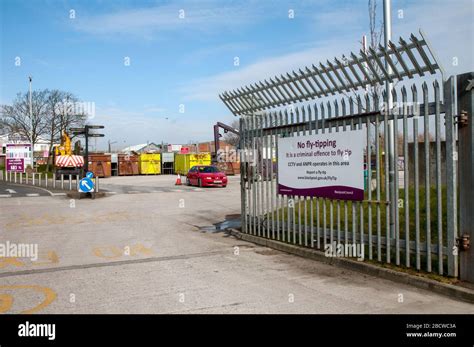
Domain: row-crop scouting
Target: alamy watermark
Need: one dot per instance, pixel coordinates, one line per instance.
(84, 108)
(348, 250)
(37, 330)
(19, 250)
(230, 154)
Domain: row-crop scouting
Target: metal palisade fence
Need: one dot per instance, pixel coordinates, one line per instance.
(408, 215)
(41, 180)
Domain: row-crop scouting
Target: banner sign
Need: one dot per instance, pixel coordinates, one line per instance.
(329, 165)
(18, 156)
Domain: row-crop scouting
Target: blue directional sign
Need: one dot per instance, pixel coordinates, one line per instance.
(89, 174)
(86, 185)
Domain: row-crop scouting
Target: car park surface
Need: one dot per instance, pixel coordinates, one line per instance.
(152, 247)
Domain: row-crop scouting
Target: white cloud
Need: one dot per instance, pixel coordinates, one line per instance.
(148, 22)
(133, 127)
(448, 25)
(208, 88)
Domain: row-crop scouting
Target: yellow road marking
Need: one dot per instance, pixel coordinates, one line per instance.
(10, 261)
(113, 252)
(6, 300)
(51, 257)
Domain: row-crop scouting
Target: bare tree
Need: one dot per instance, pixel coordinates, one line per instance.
(52, 113)
(231, 138)
(18, 119)
(375, 37)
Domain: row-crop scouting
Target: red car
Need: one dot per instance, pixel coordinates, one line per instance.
(206, 176)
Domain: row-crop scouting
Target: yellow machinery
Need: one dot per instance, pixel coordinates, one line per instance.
(183, 162)
(149, 164)
(65, 162)
(65, 147)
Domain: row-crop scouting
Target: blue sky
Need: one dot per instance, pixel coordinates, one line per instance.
(190, 60)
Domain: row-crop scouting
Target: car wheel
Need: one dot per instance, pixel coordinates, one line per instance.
(188, 182)
(199, 183)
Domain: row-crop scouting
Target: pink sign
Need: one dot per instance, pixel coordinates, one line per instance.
(15, 165)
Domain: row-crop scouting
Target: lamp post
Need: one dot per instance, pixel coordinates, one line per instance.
(32, 124)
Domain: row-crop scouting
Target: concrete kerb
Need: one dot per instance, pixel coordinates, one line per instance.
(31, 186)
(454, 292)
(80, 195)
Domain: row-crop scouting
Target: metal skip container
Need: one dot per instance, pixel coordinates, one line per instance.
(167, 163)
(127, 164)
(100, 164)
(149, 164)
(183, 162)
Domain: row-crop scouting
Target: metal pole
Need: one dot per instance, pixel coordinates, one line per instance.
(86, 135)
(364, 48)
(465, 89)
(451, 174)
(32, 124)
(387, 20)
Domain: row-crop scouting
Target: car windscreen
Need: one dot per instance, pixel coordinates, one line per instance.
(208, 169)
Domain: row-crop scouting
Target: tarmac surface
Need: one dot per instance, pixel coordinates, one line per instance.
(150, 247)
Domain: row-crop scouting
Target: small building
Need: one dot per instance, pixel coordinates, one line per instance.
(143, 148)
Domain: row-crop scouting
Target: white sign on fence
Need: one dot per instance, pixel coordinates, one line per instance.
(327, 165)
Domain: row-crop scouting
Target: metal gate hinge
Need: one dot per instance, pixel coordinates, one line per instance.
(463, 242)
(462, 119)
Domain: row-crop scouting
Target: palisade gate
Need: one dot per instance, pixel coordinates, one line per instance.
(408, 215)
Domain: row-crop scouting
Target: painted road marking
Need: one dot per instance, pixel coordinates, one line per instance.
(33, 194)
(51, 257)
(6, 300)
(11, 191)
(5, 196)
(110, 192)
(177, 190)
(198, 189)
(113, 252)
(59, 194)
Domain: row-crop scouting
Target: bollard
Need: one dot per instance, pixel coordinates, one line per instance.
(62, 181)
(21, 178)
(70, 182)
(54, 180)
(97, 184)
(39, 179)
(46, 180)
(14, 174)
(26, 178)
(33, 178)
